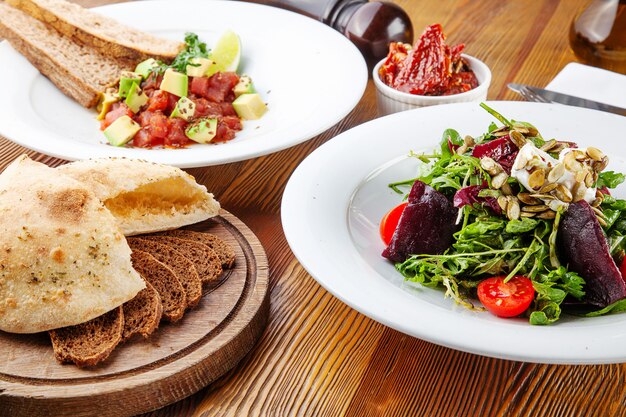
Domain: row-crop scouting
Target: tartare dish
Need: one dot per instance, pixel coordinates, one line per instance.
(526, 225)
(198, 98)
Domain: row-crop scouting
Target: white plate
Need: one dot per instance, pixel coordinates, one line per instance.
(335, 199)
(310, 75)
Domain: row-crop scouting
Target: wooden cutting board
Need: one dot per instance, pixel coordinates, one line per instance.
(143, 375)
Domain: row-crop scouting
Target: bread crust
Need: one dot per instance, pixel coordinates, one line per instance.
(104, 34)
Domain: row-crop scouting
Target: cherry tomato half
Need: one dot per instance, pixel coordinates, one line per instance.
(390, 221)
(622, 269)
(508, 299)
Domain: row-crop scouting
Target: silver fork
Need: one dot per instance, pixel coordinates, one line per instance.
(531, 95)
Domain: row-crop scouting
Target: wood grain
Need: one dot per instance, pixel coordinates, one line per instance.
(318, 357)
(176, 361)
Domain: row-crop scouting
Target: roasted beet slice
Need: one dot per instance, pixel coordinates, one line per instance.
(426, 225)
(584, 248)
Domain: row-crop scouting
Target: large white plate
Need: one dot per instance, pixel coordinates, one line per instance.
(335, 199)
(310, 75)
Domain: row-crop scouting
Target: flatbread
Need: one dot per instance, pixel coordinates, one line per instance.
(144, 196)
(63, 259)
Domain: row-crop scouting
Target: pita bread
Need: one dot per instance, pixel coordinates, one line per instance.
(63, 259)
(144, 196)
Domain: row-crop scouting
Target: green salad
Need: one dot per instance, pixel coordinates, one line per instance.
(514, 193)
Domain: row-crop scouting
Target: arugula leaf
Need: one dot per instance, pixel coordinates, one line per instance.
(525, 224)
(616, 307)
(610, 179)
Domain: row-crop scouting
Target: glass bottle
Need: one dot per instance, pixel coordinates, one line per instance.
(598, 35)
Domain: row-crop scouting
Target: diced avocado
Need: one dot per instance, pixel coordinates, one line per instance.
(184, 109)
(107, 98)
(127, 79)
(249, 106)
(213, 68)
(202, 130)
(145, 67)
(175, 83)
(121, 131)
(244, 86)
(200, 68)
(135, 98)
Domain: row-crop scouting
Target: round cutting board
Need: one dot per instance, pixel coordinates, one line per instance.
(142, 375)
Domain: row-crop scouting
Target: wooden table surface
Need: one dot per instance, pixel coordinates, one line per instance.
(318, 357)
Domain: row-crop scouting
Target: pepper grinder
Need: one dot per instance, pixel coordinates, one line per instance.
(371, 26)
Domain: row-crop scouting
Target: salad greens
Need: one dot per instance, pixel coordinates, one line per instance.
(194, 49)
(491, 244)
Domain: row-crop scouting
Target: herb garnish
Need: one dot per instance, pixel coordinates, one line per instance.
(194, 49)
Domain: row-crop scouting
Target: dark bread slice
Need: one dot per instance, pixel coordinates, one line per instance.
(143, 313)
(89, 343)
(80, 72)
(102, 33)
(183, 268)
(223, 249)
(204, 258)
(164, 281)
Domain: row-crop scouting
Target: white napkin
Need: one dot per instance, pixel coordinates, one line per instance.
(591, 83)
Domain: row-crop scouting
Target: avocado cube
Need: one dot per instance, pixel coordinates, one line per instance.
(121, 131)
(144, 68)
(244, 86)
(185, 109)
(175, 83)
(127, 79)
(107, 98)
(200, 67)
(249, 106)
(135, 98)
(202, 130)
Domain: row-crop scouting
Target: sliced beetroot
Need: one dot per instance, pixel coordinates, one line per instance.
(584, 248)
(469, 196)
(426, 225)
(501, 150)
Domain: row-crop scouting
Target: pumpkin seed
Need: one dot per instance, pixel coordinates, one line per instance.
(506, 189)
(469, 141)
(512, 210)
(499, 179)
(599, 166)
(536, 209)
(489, 165)
(548, 145)
(546, 215)
(556, 172)
(596, 202)
(595, 153)
(548, 187)
(580, 176)
(518, 139)
(562, 193)
(461, 149)
(527, 214)
(527, 199)
(578, 192)
(537, 178)
(589, 179)
(520, 128)
(544, 196)
(599, 212)
(570, 162)
(602, 221)
(502, 202)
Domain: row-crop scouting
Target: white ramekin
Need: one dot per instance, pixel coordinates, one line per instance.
(392, 101)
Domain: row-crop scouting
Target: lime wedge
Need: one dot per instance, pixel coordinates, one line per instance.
(227, 52)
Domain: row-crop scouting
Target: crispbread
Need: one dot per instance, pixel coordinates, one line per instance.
(102, 33)
(164, 281)
(78, 71)
(90, 343)
(143, 313)
(181, 266)
(63, 260)
(144, 196)
(204, 258)
(223, 249)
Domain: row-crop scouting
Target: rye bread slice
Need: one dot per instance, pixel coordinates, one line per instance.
(223, 249)
(183, 268)
(79, 71)
(100, 32)
(89, 343)
(143, 313)
(164, 281)
(204, 258)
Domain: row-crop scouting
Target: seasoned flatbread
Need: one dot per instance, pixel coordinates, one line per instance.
(143, 196)
(63, 259)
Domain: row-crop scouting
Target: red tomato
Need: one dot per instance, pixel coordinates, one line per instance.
(117, 110)
(622, 269)
(508, 299)
(390, 221)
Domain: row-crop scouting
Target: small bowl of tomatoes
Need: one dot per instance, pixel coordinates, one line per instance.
(428, 73)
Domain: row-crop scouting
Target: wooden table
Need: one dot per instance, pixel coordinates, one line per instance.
(319, 357)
